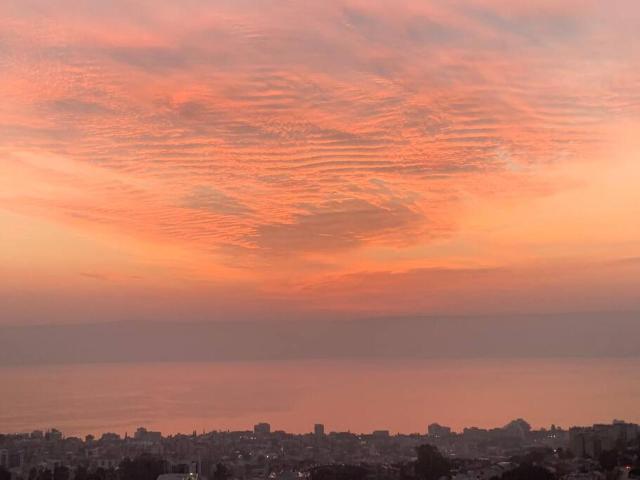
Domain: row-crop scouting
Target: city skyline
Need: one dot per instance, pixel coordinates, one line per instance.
(433, 429)
(514, 450)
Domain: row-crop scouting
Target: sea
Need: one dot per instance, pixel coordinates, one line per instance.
(345, 395)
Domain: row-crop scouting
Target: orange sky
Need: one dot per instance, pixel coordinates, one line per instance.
(242, 159)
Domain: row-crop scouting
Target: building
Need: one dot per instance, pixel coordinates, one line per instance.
(318, 429)
(144, 435)
(110, 437)
(262, 428)
(53, 435)
(438, 431)
(624, 431)
(591, 441)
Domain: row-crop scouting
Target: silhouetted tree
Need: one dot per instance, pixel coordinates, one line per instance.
(222, 472)
(45, 474)
(528, 472)
(180, 468)
(339, 472)
(534, 456)
(81, 473)
(99, 474)
(144, 467)
(61, 473)
(5, 474)
(565, 453)
(431, 464)
(103, 474)
(608, 460)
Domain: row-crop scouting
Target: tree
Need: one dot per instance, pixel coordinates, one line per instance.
(180, 468)
(431, 464)
(608, 460)
(519, 425)
(339, 472)
(81, 473)
(61, 473)
(222, 472)
(45, 474)
(537, 455)
(98, 474)
(144, 467)
(565, 454)
(5, 474)
(528, 472)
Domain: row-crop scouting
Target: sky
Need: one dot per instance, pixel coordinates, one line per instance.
(256, 160)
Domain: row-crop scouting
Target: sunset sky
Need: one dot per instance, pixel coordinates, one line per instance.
(248, 160)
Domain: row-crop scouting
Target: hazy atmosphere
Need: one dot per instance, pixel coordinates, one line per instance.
(373, 213)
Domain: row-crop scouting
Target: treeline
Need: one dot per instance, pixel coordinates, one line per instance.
(144, 467)
(429, 465)
(432, 465)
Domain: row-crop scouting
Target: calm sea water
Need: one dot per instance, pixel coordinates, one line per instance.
(345, 395)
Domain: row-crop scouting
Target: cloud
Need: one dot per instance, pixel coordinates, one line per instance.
(308, 140)
(336, 226)
(541, 26)
(212, 200)
(74, 106)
